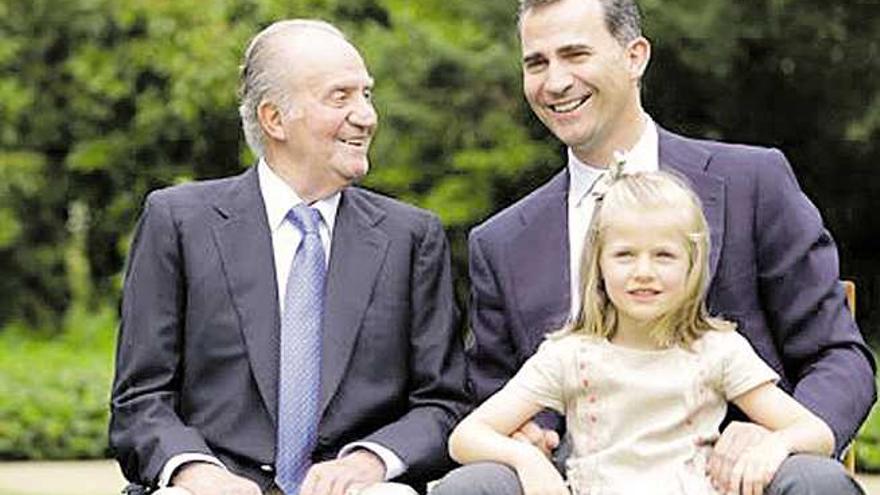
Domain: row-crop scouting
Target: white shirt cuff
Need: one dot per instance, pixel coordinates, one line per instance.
(179, 460)
(394, 466)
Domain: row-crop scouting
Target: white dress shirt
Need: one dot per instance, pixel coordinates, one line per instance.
(643, 157)
(279, 198)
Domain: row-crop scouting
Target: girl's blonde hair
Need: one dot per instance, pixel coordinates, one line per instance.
(649, 192)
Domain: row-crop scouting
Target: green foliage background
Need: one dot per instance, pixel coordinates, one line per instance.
(102, 101)
(55, 390)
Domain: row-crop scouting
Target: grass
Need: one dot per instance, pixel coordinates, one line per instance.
(55, 389)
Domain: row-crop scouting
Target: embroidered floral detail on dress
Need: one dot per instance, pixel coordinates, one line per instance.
(587, 398)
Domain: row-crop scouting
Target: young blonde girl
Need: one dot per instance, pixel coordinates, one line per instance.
(643, 374)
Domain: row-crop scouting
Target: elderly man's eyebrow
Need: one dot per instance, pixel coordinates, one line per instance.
(350, 83)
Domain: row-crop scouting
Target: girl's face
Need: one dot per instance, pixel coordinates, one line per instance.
(644, 263)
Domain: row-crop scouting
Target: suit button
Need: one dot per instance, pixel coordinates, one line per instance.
(267, 468)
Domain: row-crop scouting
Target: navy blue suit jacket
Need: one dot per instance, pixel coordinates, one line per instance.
(774, 270)
(197, 359)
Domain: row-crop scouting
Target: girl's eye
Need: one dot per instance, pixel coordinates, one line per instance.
(667, 255)
(368, 94)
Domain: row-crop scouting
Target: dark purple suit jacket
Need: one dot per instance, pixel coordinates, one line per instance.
(197, 360)
(774, 270)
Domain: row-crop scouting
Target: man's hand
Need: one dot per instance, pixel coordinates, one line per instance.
(735, 440)
(531, 433)
(202, 478)
(358, 469)
(758, 464)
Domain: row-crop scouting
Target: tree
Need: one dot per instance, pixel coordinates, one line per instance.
(104, 100)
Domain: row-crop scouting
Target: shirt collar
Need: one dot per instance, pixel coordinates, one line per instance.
(643, 157)
(279, 198)
(582, 177)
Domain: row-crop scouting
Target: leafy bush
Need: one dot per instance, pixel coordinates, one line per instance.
(54, 392)
(868, 444)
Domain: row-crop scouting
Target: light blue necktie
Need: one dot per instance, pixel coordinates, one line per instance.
(299, 373)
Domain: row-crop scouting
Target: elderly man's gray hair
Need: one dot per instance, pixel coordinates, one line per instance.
(621, 17)
(262, 77)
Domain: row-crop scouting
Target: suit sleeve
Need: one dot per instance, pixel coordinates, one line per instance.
(492, 360)
(145, 430)
(825, 356)
(492, 356)
(438, 396)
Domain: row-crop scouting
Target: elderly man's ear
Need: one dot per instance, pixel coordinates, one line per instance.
(272, 121)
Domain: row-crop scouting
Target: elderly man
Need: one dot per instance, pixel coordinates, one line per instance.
(281, 331)
(774, 267)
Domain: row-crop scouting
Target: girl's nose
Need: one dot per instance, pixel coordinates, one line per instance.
(643, 268)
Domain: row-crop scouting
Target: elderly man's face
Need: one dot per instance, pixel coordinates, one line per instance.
(332, 119)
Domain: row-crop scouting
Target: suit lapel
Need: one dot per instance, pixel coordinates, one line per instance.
(539, 258)
(691, 160)
(245, 246)
(357, 253)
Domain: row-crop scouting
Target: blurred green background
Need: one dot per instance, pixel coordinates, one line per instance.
(102, 101)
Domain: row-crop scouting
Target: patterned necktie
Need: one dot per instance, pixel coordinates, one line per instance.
(299, 373)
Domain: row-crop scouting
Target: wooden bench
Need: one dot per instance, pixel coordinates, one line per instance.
(849, 459)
